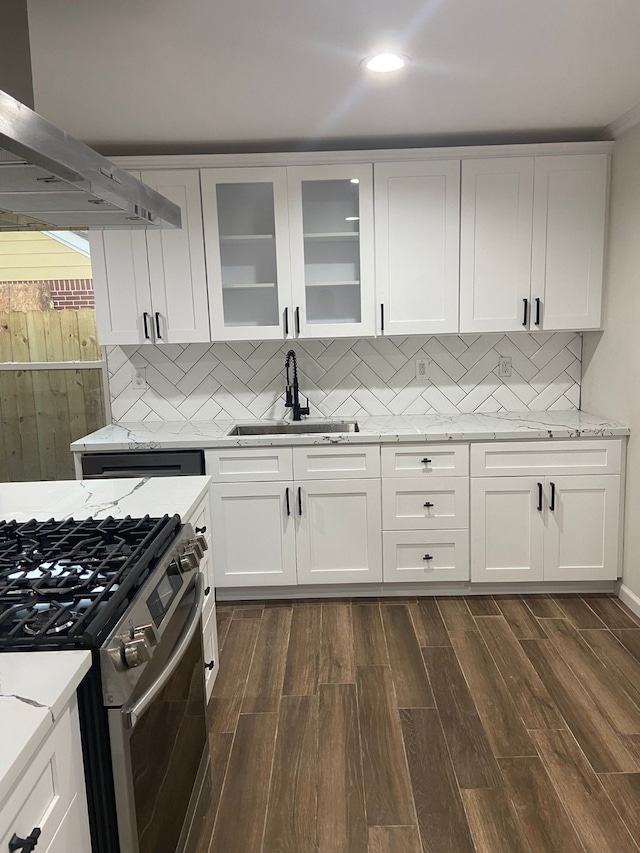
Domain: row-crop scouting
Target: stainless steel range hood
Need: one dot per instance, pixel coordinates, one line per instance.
(50, 181)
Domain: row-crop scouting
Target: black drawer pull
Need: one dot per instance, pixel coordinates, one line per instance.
(539, 507)
(537, 320)
(26, 845)
(297, 314)
(146, 327)
(425, 461)
(382, 317)
(209, 665)
(299, 501)
(158, 335)
(552, 502)
(427, 557)
(202, 529)
(207, 590)
(526, 305)
(428, 503)
(286, 494)
(286, 321)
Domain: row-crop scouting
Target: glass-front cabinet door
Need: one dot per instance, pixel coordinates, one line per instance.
(247, 249)
(331, 221)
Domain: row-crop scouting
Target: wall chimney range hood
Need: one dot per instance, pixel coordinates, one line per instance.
(50, 181)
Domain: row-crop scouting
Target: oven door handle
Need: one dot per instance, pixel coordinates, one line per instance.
(133, 712)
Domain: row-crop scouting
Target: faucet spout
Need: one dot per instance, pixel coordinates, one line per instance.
(292, 391)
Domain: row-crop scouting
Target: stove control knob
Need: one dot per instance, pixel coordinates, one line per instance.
(192, 555)
(147, 633)
(136, 652)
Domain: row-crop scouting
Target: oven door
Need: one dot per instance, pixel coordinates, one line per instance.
(159, 743)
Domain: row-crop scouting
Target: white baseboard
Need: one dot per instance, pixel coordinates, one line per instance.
(407, 589)
(629, 598)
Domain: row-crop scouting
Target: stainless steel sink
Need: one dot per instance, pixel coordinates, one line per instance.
(298, 428)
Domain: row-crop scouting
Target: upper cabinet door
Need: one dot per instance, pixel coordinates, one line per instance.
(495, 244)
(331, 211)
(417, 231)
(176, 262)
(246, 227)
(120, 270)
(568, 240)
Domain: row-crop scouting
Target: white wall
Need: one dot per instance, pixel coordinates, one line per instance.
(611, 359)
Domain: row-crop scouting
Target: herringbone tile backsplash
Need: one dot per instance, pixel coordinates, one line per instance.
(346, 378)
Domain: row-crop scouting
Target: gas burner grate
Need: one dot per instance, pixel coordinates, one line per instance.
(63, 583)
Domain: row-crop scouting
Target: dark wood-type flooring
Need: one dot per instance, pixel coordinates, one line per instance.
(451, 725)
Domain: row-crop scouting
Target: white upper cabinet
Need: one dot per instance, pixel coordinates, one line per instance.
(532, 243)
(417, 234)
(569, 210)
(176, 262)
(246, 224)
(150, 287)
(332, 268)
(495, 244)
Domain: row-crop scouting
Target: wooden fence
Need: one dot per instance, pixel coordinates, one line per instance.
(42, 411)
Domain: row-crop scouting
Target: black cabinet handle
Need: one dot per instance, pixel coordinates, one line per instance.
(158, 335)
(202, 529)
(537, 320)
(428, 503)
(145, 319)
(539, 497)
(286, 495)
(552, 502)
(26, 845)
(207, 590)
(209, 665)
(526, 306)
(299, 501)
(382, 317)
(286, 321)
(425, 461)
(427, 557)
(297, 320)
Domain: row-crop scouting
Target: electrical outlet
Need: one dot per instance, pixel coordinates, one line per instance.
(139, 377)
(422, 368)
(504, 365)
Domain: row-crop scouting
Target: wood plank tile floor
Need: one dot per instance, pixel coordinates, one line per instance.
(451, 725)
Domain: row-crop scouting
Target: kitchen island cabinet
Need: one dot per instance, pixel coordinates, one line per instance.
(41, 772)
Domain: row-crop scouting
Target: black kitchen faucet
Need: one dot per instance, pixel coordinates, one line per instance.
(292, 398)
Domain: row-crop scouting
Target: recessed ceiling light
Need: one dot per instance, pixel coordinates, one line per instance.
(382, 63)
(355, 180)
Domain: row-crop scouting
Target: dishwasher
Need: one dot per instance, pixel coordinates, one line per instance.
(142, 463)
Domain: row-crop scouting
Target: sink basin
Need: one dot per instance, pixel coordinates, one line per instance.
(300, 428)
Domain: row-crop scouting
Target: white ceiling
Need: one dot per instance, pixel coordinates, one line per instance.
(134, 75)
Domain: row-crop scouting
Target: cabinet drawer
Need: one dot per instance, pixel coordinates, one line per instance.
(251, 464)
(72, 836)
(523, 458)
(404, 503)
(206, 567)
(404, 556)
(47, 789)
(210, 648)
(326, 463)
(433, 460)
(201, 519)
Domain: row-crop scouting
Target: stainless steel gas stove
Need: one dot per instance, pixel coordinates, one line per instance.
(130, 591)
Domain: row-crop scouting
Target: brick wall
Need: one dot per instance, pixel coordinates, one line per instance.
(72, 293)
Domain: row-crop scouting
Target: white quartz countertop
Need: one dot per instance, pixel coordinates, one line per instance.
(154, 496)
(156, 435)
(34, 689)
(35, 686)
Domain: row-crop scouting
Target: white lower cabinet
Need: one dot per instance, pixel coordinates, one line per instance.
(253, 534)
(211, 654)
(270, 534)
(545, 528)
(338, 531)
(51, 793)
